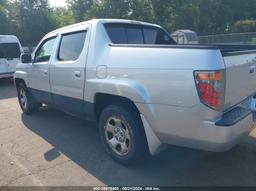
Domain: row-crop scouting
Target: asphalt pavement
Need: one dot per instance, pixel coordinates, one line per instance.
(51, 148)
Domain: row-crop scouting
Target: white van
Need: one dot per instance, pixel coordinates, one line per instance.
(10, 51)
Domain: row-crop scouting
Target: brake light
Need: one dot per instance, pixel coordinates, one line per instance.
(211, 88)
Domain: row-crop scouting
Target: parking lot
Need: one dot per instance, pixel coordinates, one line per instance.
(51, 148)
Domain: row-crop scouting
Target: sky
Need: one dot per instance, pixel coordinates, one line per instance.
(58, 3)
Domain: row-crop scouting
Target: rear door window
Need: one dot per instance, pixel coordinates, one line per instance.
(71, 46)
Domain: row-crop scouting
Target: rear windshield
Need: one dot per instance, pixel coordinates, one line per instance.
(9, 50)
(137, 34)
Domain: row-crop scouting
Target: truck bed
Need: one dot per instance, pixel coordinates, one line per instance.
(240, 66)
(227, 49)
(223, 48)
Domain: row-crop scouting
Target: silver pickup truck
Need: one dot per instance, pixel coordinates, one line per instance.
(144, 90)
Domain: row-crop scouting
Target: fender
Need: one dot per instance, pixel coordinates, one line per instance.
(21, 75)
(125, 88)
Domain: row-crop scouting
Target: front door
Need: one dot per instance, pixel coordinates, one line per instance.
(39, 71)
(67, 72)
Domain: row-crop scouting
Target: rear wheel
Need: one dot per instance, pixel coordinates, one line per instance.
(27, 103)
(122, 134)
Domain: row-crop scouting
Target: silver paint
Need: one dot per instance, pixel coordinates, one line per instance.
(159, 81)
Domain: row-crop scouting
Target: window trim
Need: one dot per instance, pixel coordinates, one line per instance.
(40, 46)
(60, 41)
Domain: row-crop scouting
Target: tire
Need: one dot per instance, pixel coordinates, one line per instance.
(122, 134)
(26, 101)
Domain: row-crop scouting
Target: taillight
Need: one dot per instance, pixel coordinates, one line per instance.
(211, 88)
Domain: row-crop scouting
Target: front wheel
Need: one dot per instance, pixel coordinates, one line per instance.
(27, 103)
(122, 134)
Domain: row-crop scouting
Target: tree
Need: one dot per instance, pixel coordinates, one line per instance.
(62, 16)
(142, 10)
(164, 14)
(109, 9)
(80, 8)
(218, 16)
(32, 19)
(4, 23)
(185, 14)
(35, 20)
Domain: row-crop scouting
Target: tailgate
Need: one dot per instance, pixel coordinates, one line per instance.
(240, 76)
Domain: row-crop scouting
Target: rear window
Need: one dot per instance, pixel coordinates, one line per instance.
(71, 46)
(137, 34)
(9, 50)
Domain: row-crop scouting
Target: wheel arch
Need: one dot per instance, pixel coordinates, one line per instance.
(102, 100)
(19, 80)
(20, 76)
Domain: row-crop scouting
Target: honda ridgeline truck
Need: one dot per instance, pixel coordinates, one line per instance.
(144, 90)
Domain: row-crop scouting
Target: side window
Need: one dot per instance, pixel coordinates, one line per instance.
(117, 34)
(44, 52)
(71, 46)
(134, 35)
(164, 38)
(150, 36)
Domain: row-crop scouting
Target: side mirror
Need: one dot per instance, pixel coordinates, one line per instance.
(26, 58)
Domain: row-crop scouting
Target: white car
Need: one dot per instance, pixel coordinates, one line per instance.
(10, 51)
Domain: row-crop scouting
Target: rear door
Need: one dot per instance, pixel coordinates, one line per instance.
(67, 72)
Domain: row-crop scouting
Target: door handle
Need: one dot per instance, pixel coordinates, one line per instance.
(45, 72)
(77, 74)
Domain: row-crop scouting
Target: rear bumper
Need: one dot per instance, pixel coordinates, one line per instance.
(210, 137)
(6, 75)
(228, 130)
(187, 127)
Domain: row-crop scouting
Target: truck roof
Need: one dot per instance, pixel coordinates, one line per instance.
(95, 21)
